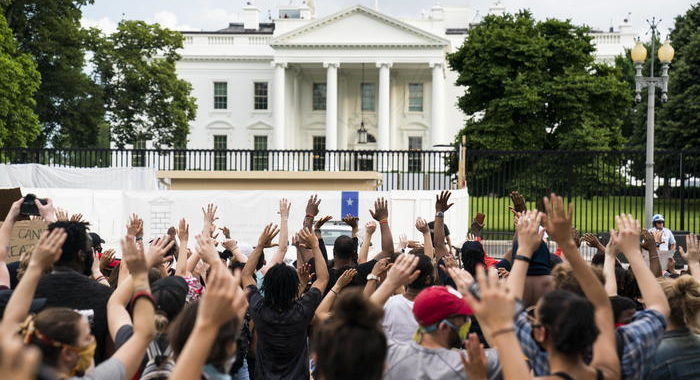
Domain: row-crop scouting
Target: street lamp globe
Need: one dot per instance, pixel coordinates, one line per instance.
(639, 53)
(666, 52)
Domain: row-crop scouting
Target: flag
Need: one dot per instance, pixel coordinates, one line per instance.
(349, 203)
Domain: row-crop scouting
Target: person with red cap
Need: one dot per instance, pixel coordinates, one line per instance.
(444, 319)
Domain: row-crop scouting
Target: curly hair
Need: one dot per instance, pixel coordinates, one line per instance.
(683, 296)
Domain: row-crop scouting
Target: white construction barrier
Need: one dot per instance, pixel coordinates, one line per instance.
(246, 212)
(42, 176)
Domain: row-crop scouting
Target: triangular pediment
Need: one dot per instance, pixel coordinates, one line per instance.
(358, 26)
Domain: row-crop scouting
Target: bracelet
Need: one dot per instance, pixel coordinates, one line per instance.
(310, 216)
(384, 221)
(334, 292)
(142, 294)
(502, 331)
(100, 278)
(139, 238)
(523, 258)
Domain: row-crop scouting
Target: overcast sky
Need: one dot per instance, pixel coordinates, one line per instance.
(216, 14)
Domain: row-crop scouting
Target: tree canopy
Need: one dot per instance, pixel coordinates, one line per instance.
(535, 85)
(144, 98)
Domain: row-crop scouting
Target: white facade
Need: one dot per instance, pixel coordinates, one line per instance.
(254, 82)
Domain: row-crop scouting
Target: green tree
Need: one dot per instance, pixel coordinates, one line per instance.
(535, 85)
(19, 80)
(144, 98)
(68, 103)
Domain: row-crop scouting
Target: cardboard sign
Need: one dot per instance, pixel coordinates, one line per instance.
(7, 198)
(25, 235)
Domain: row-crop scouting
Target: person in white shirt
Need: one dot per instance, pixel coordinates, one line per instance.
(663, 236)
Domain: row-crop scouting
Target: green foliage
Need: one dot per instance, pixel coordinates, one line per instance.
(534, 85)
(19, 80)
(68, 103)
(144, 98)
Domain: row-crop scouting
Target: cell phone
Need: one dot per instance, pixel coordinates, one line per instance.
(480, 217)
(476, 293)
(28, 207)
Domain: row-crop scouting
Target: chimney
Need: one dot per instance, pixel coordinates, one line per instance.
(251, 17)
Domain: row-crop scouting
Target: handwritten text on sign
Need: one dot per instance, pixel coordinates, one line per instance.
(25, 235)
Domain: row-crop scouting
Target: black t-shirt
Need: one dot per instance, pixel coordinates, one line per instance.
(68, 288)
(360, 278)
(282, 351)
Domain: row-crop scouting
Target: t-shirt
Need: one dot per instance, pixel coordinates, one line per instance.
(413, 361)
(399, 323)
(110, 369)
(282, 350)
(68, 288)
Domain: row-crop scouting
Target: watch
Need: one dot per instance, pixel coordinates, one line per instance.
(372, 277)
(439, 214)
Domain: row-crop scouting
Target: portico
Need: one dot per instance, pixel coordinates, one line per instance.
(379, 74)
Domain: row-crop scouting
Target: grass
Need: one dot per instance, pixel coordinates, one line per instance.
(593, 215)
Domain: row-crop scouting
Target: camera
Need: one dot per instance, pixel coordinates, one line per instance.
(28, 206)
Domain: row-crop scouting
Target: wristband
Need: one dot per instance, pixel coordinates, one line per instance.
(139, 238)
(372, 277)
(310, 216)
(334, 292)
(142, 294)
(100, 278)
(502, 331)
(384, 221)
(440, 214)
(523, 258)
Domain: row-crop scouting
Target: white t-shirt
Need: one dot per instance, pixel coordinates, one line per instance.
(666, 238)
(399, 323)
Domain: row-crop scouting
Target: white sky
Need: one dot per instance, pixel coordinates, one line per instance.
(216, 14)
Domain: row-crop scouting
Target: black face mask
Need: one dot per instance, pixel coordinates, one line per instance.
(455, 342)
(87, 262)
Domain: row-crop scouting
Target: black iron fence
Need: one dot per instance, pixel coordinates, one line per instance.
(601, 185)
(401, 170)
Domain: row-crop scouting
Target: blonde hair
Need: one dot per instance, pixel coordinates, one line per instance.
(683, 296)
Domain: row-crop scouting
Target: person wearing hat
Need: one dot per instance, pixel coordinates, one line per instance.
(663, 236)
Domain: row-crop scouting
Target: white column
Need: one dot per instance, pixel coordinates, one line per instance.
(383, 108)
(278, 104)
(331, 105)
(438, 133)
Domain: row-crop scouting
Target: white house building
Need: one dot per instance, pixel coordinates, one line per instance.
(302, 82)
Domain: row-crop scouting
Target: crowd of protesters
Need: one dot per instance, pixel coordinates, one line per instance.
(222, 310)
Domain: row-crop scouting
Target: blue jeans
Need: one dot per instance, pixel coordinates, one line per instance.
(242, 373)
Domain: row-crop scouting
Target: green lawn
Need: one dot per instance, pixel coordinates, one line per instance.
(593, 215)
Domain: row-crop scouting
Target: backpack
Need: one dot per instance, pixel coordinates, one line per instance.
(160, 362)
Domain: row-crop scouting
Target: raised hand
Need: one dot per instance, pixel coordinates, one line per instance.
(48, 250)
(269, 233)
(159, 247)
(223, 299)
(403, 272)
(422, 225)
(518, 202)
(183, 231)
(76, 218)
(312, 206)
(441, 201)
(449, 261)
(344, 279)
(627, 234)
(351, 220)
(17, 361)
(209, 214)
(47, 210)
(474, 360)
(135, 226)
(370, 227)
(381, 267)
(557, 222)
(133, 257)
(592, 241)
(285, 206)
(692, 255)
(478, 224)
(304, 273)
(381, 210)
(403, 241)
(461, 277)
(321, 222)
(298, 243)
(529, 234)
(206, 249)
(647, 240)
(612, 248)
(230, 244)
(226, 232)
(308, 238)
(61, 215)
(495, 308)
(106, 259)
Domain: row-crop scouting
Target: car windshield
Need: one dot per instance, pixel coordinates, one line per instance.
(329, 236)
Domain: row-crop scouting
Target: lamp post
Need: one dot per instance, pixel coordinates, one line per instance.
(639, 55)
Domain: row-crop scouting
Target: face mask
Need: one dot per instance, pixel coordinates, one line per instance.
(462, 331)
(85, 360)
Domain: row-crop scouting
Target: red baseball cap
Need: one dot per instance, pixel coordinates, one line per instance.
(436, 303)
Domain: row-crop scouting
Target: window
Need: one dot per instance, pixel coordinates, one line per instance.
(259, 153)
(220, 95)
(415, 97)
(415, 143)
(319, 155)
(138, 157)
(220, 146)
(260, 96)
(319, 100)
(368, 96)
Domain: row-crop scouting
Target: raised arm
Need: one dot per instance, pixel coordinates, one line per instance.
(692, 256)
(649, 244)
(379, 268)
(46, 252)
(422, 227)
(269, 232)
(593, 242)
(320, 265)
(381, 215)
(323, 311)
(183, 235)
(278, 257)
(609, 266)
(46, 211)
(627, 238)
(558, 225)
(223, 300)
(403, 272)
(208, 219)
(370, 228)
(529, 239)
(441, 206)
(5, 233)
(311, 211)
